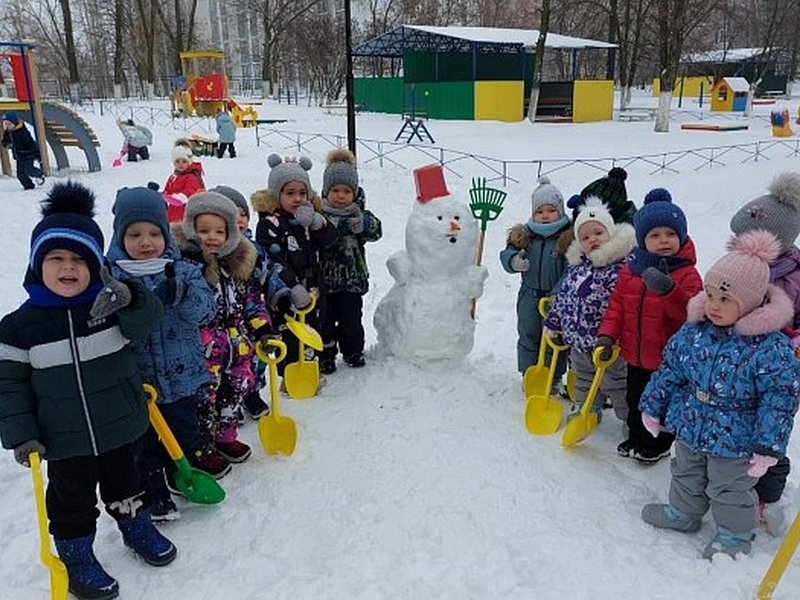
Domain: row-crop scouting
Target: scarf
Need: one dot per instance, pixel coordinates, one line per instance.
(41, 297)
(350, 210)
(641, 260)
(548, 229)
(139, 268)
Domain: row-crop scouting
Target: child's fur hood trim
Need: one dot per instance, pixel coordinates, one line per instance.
(519, 236)
(264, 202)
(777, 312)
(623, 239)
(241, 262)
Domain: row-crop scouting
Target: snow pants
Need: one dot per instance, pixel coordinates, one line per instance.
(529, 330)
(701, 480)
(638, 378)
(613, 385)
(72, 490)
(340, 320)
(229, 359)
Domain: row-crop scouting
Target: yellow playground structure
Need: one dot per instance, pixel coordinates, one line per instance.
(202, 90)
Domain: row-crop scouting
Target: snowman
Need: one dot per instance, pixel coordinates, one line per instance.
(426, 314)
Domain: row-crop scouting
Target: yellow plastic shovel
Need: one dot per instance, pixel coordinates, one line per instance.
(302, 377)
(535, 378)
(198, 486)
(543, 413)
(59, 580)
(585, 422)
(277, 433)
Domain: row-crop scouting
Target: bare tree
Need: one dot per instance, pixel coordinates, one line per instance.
(72, 59)
(544, 26)
(630, 38)
(675, 21)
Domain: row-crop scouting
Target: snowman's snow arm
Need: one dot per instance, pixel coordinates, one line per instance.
(474, 277)
(399, 266)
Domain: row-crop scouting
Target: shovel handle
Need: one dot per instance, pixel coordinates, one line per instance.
(160, 425)
(303, 312)
(266, 357)
(41, 507)
(544, 305)
(601, 366)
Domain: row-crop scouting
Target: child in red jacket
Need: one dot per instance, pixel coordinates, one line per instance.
(647, 307)
(187, 179)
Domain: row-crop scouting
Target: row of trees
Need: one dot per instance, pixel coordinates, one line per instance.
(97, 47)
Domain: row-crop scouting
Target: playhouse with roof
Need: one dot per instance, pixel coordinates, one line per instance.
(481, 73)
(729, 94)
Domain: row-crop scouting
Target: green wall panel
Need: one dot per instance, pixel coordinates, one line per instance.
(494, 66)
(444, 100)
(379, 94)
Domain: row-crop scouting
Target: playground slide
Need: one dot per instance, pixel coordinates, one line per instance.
(63, 127)
(242, 116)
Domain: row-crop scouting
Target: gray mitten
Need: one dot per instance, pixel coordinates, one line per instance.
(318, 222)
(114, 296)
(300, 297)
(304, 215)
(519, 263)
(23, 451)
(356, 224)
(657, 282)
(606, 343)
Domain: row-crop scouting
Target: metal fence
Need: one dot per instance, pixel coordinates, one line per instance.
(464, 164)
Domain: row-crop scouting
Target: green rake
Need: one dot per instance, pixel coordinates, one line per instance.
(486, 204)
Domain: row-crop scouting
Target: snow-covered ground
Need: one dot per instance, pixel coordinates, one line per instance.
(413, 482)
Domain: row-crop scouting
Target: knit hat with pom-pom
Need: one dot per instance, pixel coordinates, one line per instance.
(68, 225)
(777, 212)
(611, 190)
(285, 170)
(547, 193)
(743, 273)
(659, 211)
(341, 170)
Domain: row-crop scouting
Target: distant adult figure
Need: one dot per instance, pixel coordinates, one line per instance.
(23, 148)
(137, 138)
(226, 129)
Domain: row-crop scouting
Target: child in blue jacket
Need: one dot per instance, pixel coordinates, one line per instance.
(536, 250)
(727, 388)
(170, 358)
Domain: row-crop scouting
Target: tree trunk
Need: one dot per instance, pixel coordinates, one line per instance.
(544, 25)
(662, 114)
(118, 51)
(266, 58)
(72, 59)
(178, 35)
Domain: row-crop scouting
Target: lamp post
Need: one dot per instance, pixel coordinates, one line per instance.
(351, 109)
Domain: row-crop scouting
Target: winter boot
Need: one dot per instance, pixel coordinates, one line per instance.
(626, 448)
(355, 360)
(254, 406)
(235, 451)
(87, 578)
(772, 517)
(327, 366)
(212, 463)
(650, 456)
(141, 535)
(729, 542)
(665, 516)
(161, 506)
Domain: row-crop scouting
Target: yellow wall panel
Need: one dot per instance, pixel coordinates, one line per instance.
(691, 86)
(592, 100)
(499, 100)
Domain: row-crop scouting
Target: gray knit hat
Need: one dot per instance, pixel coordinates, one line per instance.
(777, 212)
(215, 204)
(284, 171)
(341, 170)
(547, 193)
(234, 196)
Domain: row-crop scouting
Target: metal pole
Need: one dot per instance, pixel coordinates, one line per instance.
(351, 106)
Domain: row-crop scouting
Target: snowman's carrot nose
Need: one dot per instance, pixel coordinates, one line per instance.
(454, 226)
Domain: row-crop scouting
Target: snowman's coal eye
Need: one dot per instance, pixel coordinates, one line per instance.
(457, 218)
(439, 217)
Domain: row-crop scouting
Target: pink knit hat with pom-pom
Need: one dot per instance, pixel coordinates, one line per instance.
(743, 273)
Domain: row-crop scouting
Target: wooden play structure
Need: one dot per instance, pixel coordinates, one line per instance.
(729, 94)
(781, 123)
(53, 124)
(479, 73)
(202, 90)
(688, 87)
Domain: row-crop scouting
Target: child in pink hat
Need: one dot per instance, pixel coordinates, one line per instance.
(727, 388)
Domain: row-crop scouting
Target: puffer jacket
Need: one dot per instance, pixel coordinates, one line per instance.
(186, 182)
(294, 247)
(785, 273)
(21, 142)
(344, 264)
(641, 320)
(578, 308)
(545, 254)
(226, 129)
(732, 391)
(171, 356)
(71, 381)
